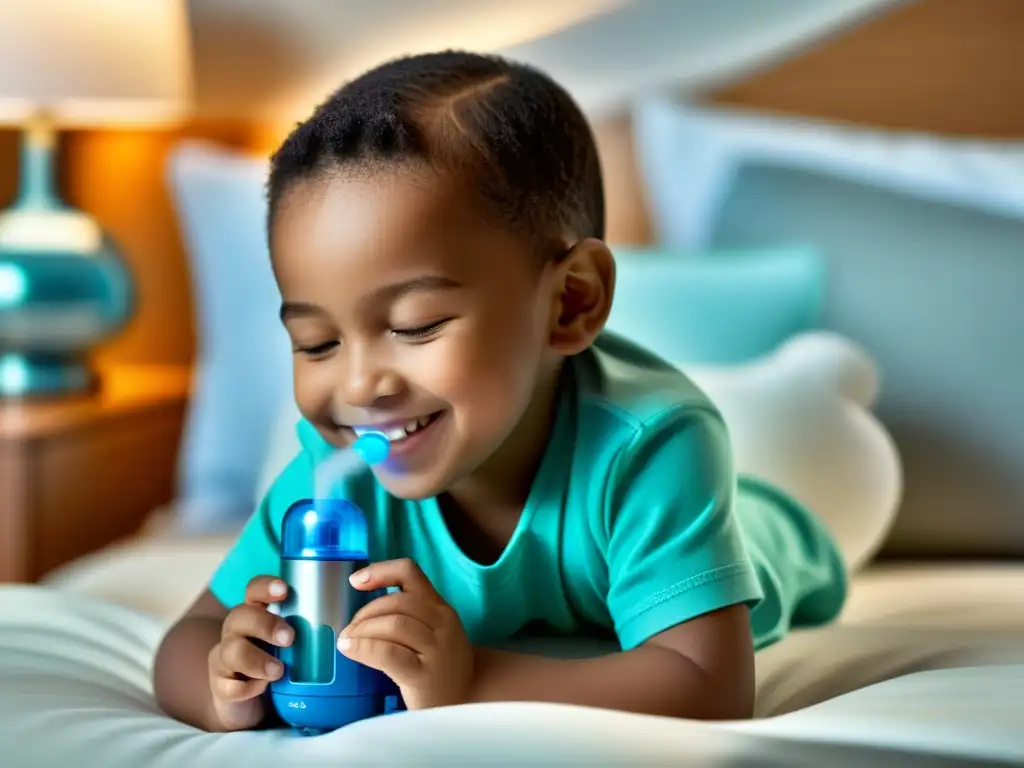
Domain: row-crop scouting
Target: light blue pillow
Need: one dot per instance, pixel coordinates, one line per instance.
(243, 371)
(715, 307)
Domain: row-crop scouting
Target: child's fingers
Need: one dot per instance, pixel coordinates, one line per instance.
(402, 573)
(399, 602)
(257, 622)
(239, 656)
(394, 660)
(397, 628)
(235, 689)
(264, 590)
(226, 684)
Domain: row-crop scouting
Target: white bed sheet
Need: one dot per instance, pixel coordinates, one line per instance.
(927, 660)
(978, 595)
(74, 686)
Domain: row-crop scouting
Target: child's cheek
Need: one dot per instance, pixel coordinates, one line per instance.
(314, 388)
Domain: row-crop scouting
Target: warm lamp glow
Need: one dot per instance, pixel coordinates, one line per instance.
(87, 63)
(68, 230)
(478, 27)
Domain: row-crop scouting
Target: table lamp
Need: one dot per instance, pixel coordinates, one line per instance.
(64, 64)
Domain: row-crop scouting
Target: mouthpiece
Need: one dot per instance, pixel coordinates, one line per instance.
(372, 447)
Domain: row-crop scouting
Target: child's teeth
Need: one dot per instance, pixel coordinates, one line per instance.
(397, 433)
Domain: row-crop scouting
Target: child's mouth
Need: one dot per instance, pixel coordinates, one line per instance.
(396, 432)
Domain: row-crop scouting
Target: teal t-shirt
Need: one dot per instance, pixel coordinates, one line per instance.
(635, 522)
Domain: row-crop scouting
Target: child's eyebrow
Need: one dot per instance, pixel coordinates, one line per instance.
(389, 293)
(292, 309)
(393, 292)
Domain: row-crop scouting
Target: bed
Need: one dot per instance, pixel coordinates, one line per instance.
(900, 680)
(925, 665)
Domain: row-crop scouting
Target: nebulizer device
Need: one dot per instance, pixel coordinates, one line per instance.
(323, 542)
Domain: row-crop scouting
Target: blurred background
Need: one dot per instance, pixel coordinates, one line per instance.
(855, 165)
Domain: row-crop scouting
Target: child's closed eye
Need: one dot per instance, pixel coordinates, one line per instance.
(317, 349)
(421, 332)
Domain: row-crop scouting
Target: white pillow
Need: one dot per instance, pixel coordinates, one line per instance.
(921, 237)
(688, 156)
(799, 418)
(244, 364)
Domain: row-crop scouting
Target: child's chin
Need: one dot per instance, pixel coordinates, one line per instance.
(410, 487)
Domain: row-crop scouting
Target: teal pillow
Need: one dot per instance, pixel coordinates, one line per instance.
(718, 307)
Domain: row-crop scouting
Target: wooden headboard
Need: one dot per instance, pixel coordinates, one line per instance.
(948, 66)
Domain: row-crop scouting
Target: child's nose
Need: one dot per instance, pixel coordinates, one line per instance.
(365, 383)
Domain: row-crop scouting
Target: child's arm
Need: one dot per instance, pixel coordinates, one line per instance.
(701, 669)
(680, 585)
(181, 673)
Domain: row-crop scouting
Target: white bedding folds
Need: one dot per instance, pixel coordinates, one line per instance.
(74, 676)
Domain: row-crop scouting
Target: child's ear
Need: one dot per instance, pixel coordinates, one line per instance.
(582, 297)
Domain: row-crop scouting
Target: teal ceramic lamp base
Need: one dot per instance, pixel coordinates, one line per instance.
(63, 287)
(24, 375)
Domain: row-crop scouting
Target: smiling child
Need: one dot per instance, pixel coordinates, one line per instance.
(437, 233)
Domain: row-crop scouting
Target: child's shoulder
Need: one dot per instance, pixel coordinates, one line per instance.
(625, 391)
(641, 426)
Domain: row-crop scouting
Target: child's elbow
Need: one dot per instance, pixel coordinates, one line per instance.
(722, 700)
(736, 694)
(737, 705)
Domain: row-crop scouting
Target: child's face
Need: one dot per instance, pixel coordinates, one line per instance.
(411, 314)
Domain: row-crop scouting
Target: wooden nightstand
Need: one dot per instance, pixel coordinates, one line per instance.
(78, 473)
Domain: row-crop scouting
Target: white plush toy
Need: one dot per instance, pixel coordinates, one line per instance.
(800, 418)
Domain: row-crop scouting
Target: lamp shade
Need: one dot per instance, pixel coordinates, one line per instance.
(95, 63)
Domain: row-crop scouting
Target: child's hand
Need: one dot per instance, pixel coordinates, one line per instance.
(240, 670)
(413, 636)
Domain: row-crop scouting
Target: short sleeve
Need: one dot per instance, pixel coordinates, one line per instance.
(257, 550)
(674, 547)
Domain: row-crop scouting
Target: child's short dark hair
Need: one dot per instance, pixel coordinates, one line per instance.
(508, 129)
